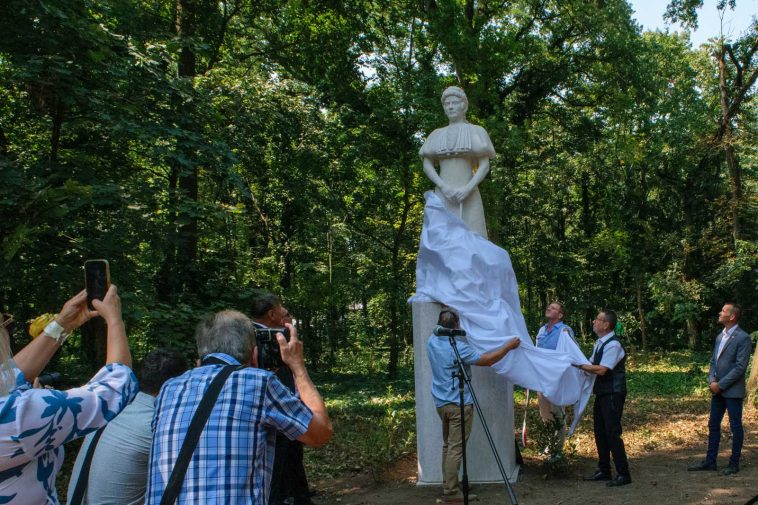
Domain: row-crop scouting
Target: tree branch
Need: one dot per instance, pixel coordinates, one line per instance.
(227, 17)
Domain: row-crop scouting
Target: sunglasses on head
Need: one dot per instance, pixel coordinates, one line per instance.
(7, 322)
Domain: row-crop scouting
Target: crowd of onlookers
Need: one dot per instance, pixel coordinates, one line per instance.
(215, 433)
(229, 431)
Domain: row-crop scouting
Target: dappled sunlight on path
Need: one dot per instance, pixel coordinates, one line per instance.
(661, 444)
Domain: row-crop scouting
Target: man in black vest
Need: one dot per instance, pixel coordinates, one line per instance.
(608, 363)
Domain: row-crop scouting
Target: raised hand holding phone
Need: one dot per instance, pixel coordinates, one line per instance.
(97, 279)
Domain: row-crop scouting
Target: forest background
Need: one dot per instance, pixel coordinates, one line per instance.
(211, 150)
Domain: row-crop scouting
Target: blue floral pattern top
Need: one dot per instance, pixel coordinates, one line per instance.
(35, 423)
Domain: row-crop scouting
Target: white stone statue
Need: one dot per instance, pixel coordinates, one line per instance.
(463, 152)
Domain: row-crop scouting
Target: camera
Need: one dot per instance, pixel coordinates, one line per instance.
(50, 380)
(269, 356)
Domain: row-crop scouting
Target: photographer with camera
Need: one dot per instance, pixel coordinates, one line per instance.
(288, 479)
(225, 457)
(35, 423)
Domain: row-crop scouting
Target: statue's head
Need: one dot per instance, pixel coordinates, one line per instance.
(454, 91)
(459, 104)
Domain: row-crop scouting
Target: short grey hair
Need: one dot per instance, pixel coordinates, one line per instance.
(229, 332)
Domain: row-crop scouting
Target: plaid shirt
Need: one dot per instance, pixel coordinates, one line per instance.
(234, 456)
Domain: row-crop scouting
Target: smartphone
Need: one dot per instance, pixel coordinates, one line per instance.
(97, 279)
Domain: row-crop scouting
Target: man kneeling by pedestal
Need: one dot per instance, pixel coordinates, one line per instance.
(446, 397)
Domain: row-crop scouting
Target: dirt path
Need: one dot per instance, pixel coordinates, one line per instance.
(660, 450)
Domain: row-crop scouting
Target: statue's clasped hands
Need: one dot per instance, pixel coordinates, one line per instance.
(456, 195)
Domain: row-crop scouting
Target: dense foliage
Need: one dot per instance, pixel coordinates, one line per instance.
(211, 150)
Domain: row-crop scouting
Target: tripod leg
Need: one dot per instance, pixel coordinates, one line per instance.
(478, 409)
(462, 405)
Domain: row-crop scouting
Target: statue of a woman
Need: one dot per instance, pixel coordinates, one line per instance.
(463, 152)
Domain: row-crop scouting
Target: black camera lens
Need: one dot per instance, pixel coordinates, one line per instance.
(269, 355)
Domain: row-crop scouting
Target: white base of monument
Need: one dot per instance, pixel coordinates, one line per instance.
(495, 396)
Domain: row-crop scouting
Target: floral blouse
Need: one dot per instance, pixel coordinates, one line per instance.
(35, 423)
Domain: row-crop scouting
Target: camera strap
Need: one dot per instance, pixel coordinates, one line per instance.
(81, 483)
(199, 419)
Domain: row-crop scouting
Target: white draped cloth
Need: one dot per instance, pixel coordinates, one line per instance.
(465, 271)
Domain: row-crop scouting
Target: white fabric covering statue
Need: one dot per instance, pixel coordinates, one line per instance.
(472, 275)
(463, 152)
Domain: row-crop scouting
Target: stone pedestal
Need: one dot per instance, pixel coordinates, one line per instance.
(495, 396)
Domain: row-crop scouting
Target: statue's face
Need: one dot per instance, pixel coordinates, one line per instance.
(455, 108)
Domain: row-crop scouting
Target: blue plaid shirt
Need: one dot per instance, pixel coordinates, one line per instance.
(234, 456)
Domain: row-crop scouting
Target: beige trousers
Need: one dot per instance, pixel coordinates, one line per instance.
(452, 445)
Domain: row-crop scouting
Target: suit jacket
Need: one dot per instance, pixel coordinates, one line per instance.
(728, 369)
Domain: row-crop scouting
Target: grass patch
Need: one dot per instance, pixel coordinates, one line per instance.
(374, 422)
(671, 374)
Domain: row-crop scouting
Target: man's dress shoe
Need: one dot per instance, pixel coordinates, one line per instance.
(620, 480)
(702, 467)
(730, 470)
(598, 476)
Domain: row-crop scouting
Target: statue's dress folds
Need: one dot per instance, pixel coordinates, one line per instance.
(459, 140)
(465, 271)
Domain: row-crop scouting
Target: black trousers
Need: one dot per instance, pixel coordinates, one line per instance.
(288, 475)
(607, 424)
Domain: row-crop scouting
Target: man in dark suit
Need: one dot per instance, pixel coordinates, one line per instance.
(289, 483)
(731, 354)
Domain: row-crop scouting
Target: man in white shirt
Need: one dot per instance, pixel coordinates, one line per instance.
(608, 363)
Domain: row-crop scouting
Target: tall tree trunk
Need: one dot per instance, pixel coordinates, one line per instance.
(166, 285)
(394, 336)
(587, 221)
(727, 142)
(641, 313)
(395, 294)
(691, 334)
(187, 234)
(55, 136)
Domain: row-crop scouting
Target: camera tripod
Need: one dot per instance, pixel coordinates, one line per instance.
(463, 378)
